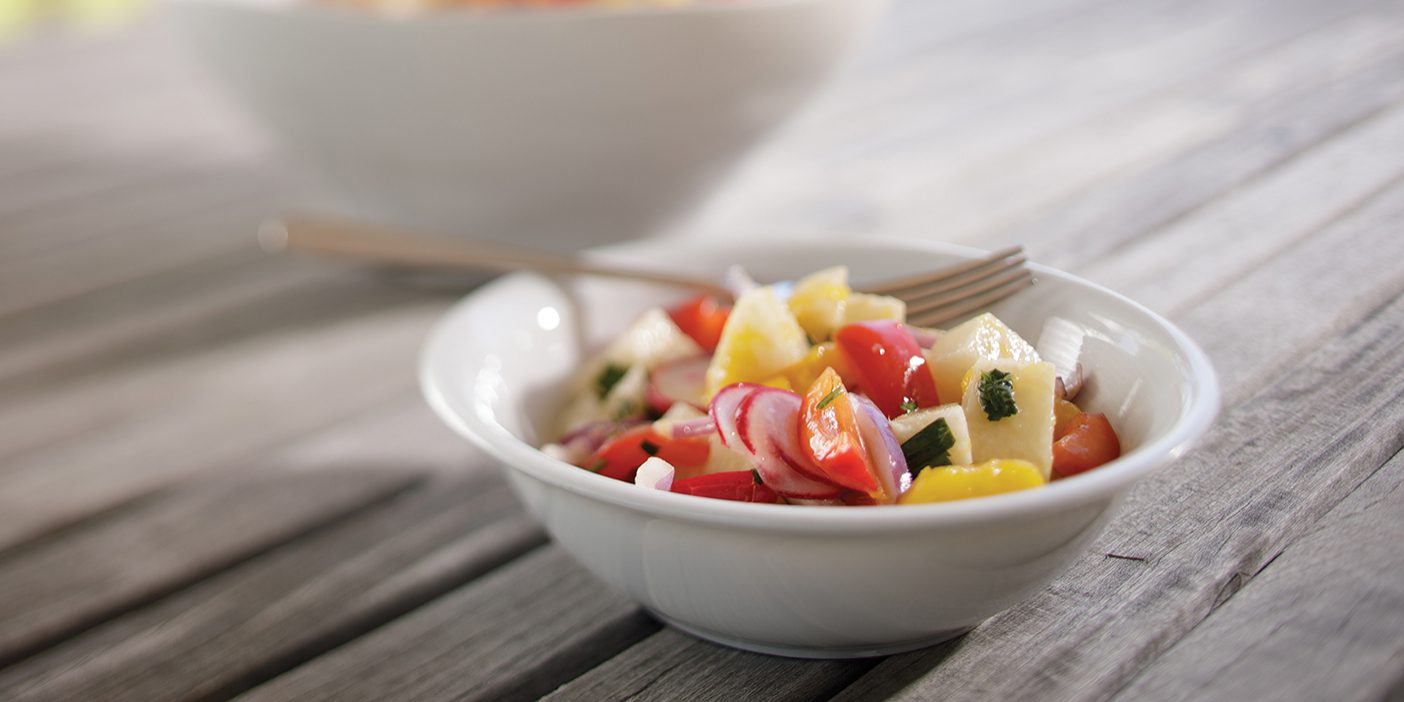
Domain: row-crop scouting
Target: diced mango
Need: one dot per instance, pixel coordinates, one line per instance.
(760, 340)
(906, 426)
(818, 301)
(1028, 433)
(980, 338)
(964, 482)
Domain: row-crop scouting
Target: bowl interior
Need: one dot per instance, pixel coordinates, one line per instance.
(498, 366)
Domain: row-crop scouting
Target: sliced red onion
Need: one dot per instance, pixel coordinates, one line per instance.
(883, 448)
(768, 421)
(677, 381)
(655, 474)
(723, 412)
(702, 426)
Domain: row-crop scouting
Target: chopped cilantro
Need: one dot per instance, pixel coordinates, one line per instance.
(649, 447)
(608, 378)
(997, 395)
(909, 406)
(929, 447)
(829, 398)
(755, 475)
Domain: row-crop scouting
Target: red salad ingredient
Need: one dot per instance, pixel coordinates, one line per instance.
(889, 364)
(701, 318)
(830, 436)
(1089, 442)
(621, 457)
(740, 485)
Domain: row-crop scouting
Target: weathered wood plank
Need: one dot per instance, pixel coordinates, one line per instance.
(670, 665)
(857, 167)
(251, 623)
(1281, 207)
(54, 589)
(1321, 622)
(1270, 468)
(196, 412)
(1112, 214)
(516, 634)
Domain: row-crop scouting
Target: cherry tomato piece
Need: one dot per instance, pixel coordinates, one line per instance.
(621, 456)
(701, 318)
(1089, 442)
(739, 485)
(829, 434)
(889, 364)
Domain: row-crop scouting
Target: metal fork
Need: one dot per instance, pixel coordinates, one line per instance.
(932, 298)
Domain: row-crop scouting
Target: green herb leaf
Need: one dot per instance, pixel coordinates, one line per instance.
(755, 475)
(909, 406)
(829, 398)
(608, 378)
(929, 447)
(997, 395)
(649, 447)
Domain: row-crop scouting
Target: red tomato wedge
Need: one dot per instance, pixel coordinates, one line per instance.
(701, 318)
(1089, 442)
(829, 434)
(888, 362)
(621, 456)
(739, 485)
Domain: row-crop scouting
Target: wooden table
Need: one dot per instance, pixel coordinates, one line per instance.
(217, 478)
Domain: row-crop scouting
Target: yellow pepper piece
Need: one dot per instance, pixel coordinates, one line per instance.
(778, 381)
(826, 355)
(963, 482)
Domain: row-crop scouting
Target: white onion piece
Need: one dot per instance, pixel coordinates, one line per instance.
(678, 381)
(655, 474)
(768, 421)
(884, 451)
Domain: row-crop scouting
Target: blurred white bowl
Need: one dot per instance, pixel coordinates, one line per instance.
(554, 127)
(811, 581)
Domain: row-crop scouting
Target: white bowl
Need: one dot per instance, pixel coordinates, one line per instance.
(809, 581)
(560, 127)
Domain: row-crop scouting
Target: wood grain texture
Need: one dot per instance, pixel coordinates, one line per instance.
(515, 634)
(52, 590)
(244, 626)
(1320, 622)
(671, 665)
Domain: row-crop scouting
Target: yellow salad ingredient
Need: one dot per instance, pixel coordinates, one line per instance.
(760, 340)
(963, 482)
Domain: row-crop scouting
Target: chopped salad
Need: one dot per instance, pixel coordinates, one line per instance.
(825, 396)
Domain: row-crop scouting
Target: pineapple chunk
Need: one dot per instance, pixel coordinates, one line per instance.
(862, 307)
(760, 340)
(980, 338)
(818, 301)
(803, 374)
(1028, 433)
(907, 426)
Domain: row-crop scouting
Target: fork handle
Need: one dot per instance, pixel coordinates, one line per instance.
(384, 245)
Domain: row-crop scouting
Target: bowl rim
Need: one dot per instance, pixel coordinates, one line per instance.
(1102, 484)
(464, 15)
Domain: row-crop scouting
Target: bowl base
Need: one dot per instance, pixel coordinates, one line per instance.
(814, 652)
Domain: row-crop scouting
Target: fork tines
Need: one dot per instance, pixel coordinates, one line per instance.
(948, 293)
